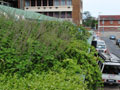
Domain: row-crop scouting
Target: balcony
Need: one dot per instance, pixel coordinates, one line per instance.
(4, 3)
(48, 8)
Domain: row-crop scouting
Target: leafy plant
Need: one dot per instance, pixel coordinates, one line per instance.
(57, 53)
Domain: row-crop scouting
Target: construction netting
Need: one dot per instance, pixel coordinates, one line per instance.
(18, 13)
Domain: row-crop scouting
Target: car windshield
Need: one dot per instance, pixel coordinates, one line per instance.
(101, 47)
(111, 69)
(112, 36)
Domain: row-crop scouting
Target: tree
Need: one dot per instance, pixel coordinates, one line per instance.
(86, 15)
(89, 20)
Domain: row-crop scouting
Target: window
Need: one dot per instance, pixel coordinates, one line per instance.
(45, 13)
(69, 2)
(50, 2)
(111, 22)
(56, 2)
(57, 14)
(44, 2)
(100, 64)
(111, 69)
(32, 2)
(5, 4)
(51, 14)
(38, 2)
(63, 15)
(69, 14)
(118, 22)
(27, 3)
(62, 2)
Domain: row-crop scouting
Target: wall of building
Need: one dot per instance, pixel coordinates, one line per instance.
(67, 9)
(76, 13)
(109, 29)
(55, 8)
(21, 4)
(109, 25)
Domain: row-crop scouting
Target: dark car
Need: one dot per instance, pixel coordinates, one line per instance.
(112, 37)
(117, 41)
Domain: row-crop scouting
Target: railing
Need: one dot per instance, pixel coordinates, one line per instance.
(48, 8)
(4, 3)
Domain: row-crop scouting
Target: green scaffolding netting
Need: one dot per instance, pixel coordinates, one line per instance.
(26, 14)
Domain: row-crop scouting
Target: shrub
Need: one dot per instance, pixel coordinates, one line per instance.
(49, 49)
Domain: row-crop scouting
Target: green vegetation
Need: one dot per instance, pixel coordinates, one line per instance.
(89, 20)
(48, 55)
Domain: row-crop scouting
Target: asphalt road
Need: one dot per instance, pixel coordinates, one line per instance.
(113, 48)
(111, 87)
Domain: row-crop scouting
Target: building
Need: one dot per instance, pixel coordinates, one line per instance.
(66, 9)
(4, 3)
(12, 3)
(109, 23)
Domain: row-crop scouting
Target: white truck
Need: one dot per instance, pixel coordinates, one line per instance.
(110, 69)
(99, 45)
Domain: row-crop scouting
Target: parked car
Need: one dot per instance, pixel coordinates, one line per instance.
(117, 41)
(112, 37)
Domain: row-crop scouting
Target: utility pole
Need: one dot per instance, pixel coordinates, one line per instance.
(103, 24)
(99, 22)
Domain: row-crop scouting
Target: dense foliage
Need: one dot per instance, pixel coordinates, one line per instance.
(89, 20)
(49, 55)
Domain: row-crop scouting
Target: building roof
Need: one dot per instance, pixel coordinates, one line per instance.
(109, 17)
(30, 15)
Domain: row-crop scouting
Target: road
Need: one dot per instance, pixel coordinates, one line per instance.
(113, 49)
(111, 87)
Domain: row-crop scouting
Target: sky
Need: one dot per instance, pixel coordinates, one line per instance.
(102, 7)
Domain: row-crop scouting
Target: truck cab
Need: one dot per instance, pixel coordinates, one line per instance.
(99, 45)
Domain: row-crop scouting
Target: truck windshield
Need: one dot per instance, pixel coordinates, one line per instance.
(101, 47)
(111, 69)
(101, 43)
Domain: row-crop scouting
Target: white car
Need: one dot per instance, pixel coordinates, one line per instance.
(110, 72)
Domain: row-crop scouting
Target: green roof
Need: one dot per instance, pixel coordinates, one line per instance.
(26, 14)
